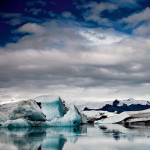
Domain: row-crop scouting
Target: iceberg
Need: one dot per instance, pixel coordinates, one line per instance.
(71, 118)
(97, 115)
(51, 106)
(129, 117)
(82, 115)
(43, 111)
(55, 110)
(23, 109)
(18, 123)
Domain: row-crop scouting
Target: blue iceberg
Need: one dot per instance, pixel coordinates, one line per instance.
(42, 111)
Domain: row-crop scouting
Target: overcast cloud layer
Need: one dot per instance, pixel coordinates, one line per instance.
(84, 54)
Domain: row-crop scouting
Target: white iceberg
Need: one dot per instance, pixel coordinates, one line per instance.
(127, 117)
(71, 118)
(23, 109)
(82, 115)
(96, 115)
(18, 123)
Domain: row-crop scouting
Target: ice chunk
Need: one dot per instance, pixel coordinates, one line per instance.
(71, 118)
(28, 110)
(47, 98)
(127, 117)
(51, 106)
(23, 109)
(96, 115)
(83, 116)
(113, 119)
(32, 116)
(3, 117)
(18, 123)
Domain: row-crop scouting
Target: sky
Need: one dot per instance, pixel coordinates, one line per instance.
(81, 50)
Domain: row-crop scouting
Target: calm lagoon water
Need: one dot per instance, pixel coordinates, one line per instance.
(85, 137)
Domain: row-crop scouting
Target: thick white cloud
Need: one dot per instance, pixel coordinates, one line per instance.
(75, 63)
(102, 37)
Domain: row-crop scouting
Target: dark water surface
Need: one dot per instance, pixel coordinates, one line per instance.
(85, 137)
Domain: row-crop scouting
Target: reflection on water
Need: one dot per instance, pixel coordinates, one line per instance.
(85, 137)
(129, 132)
(39, 138)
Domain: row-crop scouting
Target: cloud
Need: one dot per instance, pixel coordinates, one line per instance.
(127, 4)
(52, 14)
(53, 34)
(67, 14)
(76, 54)
(34, 11)
(31, 28)
(131, 4)
(14, 21)
(97, 8)
(142, 30)
(63, 15)
(94, 12)
(102, 37)
(52, 3)
(14, 18)
(134, 19)
(37, 2)
(10, 15)
(90, 64)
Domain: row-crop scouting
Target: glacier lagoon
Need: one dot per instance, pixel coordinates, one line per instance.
(83, 137)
